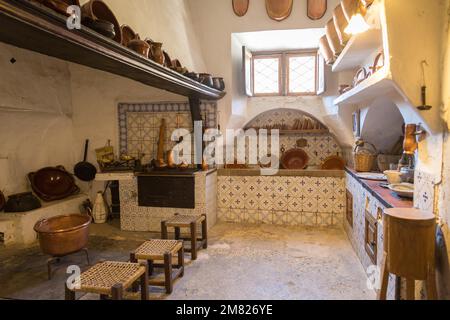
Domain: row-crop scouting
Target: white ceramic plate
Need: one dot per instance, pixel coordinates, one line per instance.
(372, 176)
(404, 190)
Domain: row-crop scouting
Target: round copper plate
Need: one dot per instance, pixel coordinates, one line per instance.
(295, 159)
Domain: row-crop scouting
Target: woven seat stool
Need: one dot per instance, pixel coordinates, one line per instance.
(157, 250)
(182, 221)
(111, 279)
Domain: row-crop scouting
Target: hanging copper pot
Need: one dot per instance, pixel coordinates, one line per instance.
(410, 144)
(240, 7)
(316, 9)
(279, 9)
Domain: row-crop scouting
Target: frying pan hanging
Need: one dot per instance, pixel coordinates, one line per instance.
(85, 171)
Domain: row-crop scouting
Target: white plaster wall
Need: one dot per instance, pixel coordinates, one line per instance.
(35, 115)
(215, 23)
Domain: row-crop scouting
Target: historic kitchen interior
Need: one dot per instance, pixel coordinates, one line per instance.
(97, 95)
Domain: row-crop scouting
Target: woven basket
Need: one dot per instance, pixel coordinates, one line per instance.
(364, 159)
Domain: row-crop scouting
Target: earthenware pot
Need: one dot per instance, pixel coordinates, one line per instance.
(103, 27)
(53, 183)
(128, 34)
(218, 83)
(140, 46)
(98, 10)
(295, 159)
(193, 75)
(22, 202)
(206, 79)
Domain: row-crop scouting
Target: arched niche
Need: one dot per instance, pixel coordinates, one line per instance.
(382, 125)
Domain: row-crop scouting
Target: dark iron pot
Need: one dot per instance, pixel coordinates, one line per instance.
(22, 202)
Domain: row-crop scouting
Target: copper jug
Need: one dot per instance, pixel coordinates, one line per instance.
(410, 144)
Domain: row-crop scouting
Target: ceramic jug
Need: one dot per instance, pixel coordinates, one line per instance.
(100, 210)
(157, 53)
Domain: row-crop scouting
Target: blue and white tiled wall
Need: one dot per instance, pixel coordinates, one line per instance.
(139, 124)
(290, 201)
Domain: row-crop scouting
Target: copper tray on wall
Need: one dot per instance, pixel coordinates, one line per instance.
(53, 183)
(240, 7)
(316, 9)
(279, 9)
(295, 159)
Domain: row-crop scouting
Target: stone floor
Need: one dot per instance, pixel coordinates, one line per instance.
(242, 262)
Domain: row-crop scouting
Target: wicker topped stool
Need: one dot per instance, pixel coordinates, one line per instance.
(111, 279)
(154, 250)
(182, 221)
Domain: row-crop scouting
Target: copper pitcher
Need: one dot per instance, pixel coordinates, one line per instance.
(410, 144)
(156, 52)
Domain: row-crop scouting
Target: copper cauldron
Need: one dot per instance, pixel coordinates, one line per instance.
(63, 235)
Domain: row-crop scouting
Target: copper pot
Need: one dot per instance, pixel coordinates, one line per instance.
(63, 235)
(156, 52)
(98, 10)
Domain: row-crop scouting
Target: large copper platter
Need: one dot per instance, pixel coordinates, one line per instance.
(295, 159)
(53, 183)
(279, 9)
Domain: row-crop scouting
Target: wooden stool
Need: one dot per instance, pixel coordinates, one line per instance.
(409, 242)
(111, 279)
(181, 221)
(153, 250)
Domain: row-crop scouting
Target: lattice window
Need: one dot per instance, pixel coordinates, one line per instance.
(302, 74)
(266, 77)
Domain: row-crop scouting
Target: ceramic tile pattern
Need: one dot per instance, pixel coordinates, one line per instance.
(136, 218)
(139, 125)
(362, 201)
(289, 201)
(319, 147)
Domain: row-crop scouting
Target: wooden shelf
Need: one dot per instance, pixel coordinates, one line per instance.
(31, 26)
(298, 132)
(377, 85)
(357, 50)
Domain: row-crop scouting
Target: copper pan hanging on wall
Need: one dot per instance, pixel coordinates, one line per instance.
(316, 9)
(240, 7)
(279, 9)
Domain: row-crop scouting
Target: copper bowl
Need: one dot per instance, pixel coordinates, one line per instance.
(295, 159)
(53, 183)
(63, 235)
(333, 163)
(98, 10)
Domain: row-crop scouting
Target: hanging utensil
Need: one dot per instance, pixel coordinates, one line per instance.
(240, 7)
(279, 9)
(424, 106)
(84, 170)
(316, 9)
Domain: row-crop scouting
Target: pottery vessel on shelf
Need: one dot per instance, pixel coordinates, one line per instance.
(128, 34)
(219, 83)
(206, 79)
(103, 27)
(156, 52)
(22, 202)
(98, 10)
(59, 6)
(139, 46)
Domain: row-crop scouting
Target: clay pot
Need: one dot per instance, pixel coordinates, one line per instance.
(295, 159)
(139, 46)
(206, 79)
(218, 83)
(98, 10)
(127, 35)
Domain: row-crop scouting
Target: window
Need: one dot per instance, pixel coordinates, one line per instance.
(283, 73)
(266, 75)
